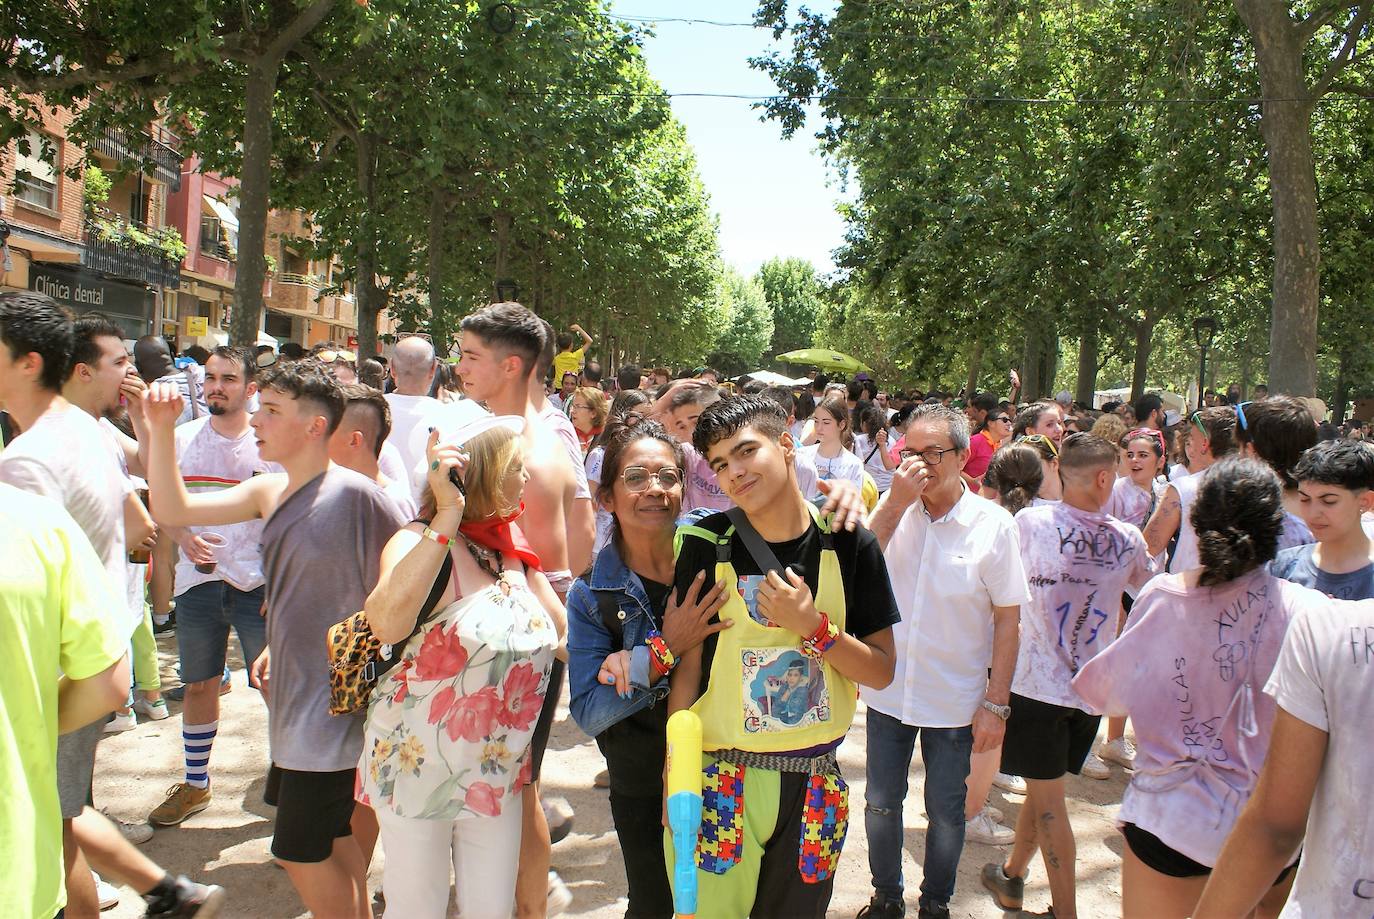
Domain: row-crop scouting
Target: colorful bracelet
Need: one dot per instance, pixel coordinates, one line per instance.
(663, 658)
(822, 640)
(440, 538)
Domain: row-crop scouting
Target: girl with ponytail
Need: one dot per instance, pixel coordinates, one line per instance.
(1190, 672)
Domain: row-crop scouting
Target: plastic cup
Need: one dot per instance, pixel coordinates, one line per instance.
(215, 542)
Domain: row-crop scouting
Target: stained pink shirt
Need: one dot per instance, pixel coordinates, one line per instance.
(1077, 565)
(1189, 671)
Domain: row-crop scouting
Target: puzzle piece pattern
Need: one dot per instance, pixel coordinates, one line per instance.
(825, 823)
(720, 842)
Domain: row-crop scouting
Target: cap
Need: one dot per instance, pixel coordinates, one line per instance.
(1064, 396)
(1171, 418)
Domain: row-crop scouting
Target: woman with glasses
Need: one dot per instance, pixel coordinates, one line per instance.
(989, 434)
(625, 629)
(1051, 489)
(587, 411)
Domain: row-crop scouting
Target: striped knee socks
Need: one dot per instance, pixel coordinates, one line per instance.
(197, 739)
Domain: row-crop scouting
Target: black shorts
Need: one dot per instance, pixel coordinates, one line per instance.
(540, 741)
(1155, 854)
(313, 810)
(1044, 740)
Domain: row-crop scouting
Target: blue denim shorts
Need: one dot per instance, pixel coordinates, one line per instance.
(204, 615)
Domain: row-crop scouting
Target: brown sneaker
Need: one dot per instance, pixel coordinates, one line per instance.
(182, 801)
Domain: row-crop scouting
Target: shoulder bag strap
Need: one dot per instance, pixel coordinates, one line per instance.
(762, 554)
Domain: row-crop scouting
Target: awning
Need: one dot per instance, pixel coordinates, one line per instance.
(225, 213)
(218, 339)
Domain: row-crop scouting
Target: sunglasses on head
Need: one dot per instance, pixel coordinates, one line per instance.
(1039, 439)
(1151, 433)
(329, 357)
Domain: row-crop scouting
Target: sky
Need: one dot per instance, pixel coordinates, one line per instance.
(774, 197)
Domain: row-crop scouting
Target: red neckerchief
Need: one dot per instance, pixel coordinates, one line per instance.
(497, 533)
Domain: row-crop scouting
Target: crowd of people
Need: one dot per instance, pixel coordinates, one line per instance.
(989, 578)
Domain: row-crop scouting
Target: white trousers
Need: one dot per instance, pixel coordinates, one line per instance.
(484, 853)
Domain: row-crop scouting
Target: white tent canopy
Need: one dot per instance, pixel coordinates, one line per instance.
(769, 378)
(1171, 400)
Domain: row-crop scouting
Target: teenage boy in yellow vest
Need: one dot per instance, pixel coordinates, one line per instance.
(776, 691)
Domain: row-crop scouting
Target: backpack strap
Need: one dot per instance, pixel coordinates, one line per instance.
(758, 548)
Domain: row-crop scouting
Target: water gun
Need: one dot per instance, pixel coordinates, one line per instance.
(684, 807)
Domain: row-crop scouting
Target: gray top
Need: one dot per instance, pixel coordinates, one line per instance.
(1296, 565)
(321, 553)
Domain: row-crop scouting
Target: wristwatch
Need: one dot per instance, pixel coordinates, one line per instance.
(1001, 711)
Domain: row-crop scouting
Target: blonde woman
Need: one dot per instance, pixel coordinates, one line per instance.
(447, 737)
(587, 410)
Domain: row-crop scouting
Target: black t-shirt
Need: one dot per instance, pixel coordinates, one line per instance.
(869, 603)
(635, 746)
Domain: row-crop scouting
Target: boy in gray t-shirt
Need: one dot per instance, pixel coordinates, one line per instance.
(324, 530)
(1335, 488)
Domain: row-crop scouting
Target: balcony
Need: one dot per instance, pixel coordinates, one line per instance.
(126, 249)
(159, 149)
(304, 295)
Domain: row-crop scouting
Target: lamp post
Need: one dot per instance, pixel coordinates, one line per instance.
(507, 290)
(1204, 330)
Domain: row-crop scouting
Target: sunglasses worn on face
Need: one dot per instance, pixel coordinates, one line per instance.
(1039, 439)
(637, 478)
(1002, 418)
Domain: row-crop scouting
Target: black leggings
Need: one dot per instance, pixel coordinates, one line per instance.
(638, 823)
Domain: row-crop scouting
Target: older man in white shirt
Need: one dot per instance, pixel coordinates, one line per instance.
(956, 570)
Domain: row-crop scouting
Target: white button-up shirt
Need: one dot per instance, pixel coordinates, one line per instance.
(947, 575)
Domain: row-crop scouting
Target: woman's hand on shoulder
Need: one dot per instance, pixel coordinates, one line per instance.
(686, 624)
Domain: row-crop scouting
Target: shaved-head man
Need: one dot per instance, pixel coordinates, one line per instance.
(412, 367)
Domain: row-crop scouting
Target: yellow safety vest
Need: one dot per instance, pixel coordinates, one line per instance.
(764, 695)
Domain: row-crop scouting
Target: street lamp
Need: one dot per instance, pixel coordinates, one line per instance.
(507, 290)
(1204, 331)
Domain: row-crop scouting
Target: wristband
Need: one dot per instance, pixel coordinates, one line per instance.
(440, 538)
(663, 657)
(822, 640)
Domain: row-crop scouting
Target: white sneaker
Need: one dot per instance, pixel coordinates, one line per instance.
(982, 828)
(154, 709)
(120, 723)
(136, 833)
(107, 894)
(994, 812)
(1120, 751)
(560, 897)
(1094, 768)
(1010, 783)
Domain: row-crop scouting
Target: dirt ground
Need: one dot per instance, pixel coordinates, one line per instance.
(227, 844)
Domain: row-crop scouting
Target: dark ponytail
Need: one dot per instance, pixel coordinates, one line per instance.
(1238, 517)
(1016, 474)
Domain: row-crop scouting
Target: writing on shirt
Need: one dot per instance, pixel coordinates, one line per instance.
(1199, 735)
(1362, 649)
(1233, 646)
(1100, 546)
(1088, 616)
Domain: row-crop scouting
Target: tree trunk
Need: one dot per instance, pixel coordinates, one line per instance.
(1087, 365)
(1144, 335)
(1286, 125)
(255, 178)
(1338, 398)
(439, 329)
(975, 367)
(365, 283)
(1049, 363)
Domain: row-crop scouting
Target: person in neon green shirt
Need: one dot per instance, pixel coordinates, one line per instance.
(62, 666)
(567, 360)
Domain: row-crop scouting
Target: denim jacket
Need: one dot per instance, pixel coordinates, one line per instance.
(595, 706)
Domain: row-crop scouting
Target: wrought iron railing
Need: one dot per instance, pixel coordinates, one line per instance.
(123, 258)
(160, 149)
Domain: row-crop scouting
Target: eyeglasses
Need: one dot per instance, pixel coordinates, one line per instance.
(930, 457)
(1039, 439)
(637, 478)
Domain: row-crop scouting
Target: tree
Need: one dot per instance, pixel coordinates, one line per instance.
(114, 61)
(792, 290)
(1299, 61)
(748, 325)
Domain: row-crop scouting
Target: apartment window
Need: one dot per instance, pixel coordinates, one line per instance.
(35, 179)
(209, 234)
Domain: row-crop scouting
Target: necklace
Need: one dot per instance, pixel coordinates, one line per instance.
(490, 561)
